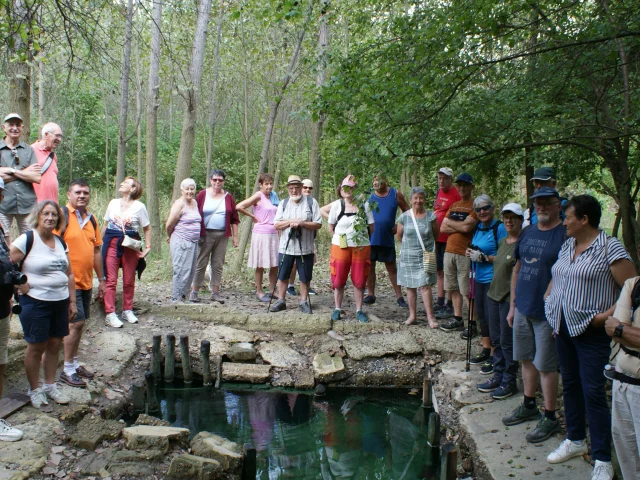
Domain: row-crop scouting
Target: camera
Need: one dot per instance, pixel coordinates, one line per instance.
(10, 274)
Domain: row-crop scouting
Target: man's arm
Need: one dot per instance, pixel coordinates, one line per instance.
(467, 225)
(402, 202)
(630, 335)
(30, 174)
(512, 301)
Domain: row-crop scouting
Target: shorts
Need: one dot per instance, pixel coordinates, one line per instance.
(304, 268)
(533, 340)
(354, 259)
(456, 273)
(4, 339)
(440, 248)
(43, 320)
(83, 303)
(383, 254)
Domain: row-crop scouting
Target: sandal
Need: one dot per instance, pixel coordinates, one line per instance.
(264, 298)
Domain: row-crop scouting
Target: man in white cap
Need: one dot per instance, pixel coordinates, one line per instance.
(19, 170)
(45, 150)
(297, 218)
(307, 190)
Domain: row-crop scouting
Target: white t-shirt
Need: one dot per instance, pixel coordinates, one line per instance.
(45, 268)
(307, 236)
(346, 225)
(132, 218)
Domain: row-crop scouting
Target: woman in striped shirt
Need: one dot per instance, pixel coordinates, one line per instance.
(585, 284)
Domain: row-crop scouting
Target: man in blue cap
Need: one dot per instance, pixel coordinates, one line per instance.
(542, 177)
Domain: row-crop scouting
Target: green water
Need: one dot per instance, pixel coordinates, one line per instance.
(346, 434)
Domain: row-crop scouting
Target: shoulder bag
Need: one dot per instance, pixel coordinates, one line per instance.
(429, 260)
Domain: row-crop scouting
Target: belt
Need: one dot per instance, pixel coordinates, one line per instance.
(628, 351)
(621, 377)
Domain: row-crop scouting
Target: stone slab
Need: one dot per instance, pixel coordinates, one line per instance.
(245, 372)
(144, 437)
(300, 378)
(291, 321)
(279, 354)
(192, 466)
(242, 352)
(227, 334)
(380, 345)
(326, 367)
(212, 313)
(229, 454)
(110, 352)
(92, 430)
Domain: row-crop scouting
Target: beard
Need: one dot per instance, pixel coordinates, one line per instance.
(295, 198)
(544, 218)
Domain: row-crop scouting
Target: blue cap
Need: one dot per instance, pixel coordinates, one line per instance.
(465, 177)
(545, 192)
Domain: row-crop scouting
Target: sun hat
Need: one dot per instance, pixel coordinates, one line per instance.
(294, 180)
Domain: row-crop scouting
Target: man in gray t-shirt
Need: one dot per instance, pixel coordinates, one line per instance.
(297, 218)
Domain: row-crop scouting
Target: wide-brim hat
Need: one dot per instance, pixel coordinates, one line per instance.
(294, 180)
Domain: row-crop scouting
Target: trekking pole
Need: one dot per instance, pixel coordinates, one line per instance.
(472, 295)
(302, 261)
(279, 267)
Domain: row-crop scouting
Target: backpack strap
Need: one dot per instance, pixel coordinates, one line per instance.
(342, 210)
(284, 204)
(47, 163)
(65, 210)
(495, 227)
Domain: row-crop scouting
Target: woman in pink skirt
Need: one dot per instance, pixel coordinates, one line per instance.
(264, 240)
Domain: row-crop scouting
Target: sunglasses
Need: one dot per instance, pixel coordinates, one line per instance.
(219, 180)
(307, 188)
(14, 151)
(486, 208)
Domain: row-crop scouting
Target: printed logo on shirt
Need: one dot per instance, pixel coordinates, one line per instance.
(459, 216)
(531, 250)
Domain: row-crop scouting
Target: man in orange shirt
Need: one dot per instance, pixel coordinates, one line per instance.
(82, 236)
(45, 149)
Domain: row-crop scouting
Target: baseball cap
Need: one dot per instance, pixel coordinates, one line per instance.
(545, 192)
(446, 171)
(349, 181)
(307, 183)
(513, 208)
(294, 180)
(544, 174)
(465, 177)
(12, 116)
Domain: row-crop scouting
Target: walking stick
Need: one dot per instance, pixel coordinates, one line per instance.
(302, 260)
(279, 267)
(471, 321)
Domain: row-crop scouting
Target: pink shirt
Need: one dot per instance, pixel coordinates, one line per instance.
(265, 211)
(47, 189)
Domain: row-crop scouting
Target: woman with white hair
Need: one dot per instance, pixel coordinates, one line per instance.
(183, 233)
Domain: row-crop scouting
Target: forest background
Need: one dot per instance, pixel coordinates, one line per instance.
(167, 89)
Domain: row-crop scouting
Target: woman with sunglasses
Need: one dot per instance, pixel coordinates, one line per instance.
(485, 243)
(219, 222)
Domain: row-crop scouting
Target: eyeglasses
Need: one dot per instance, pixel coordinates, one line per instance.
(307, 188)
(218, 180)
(486, 208)
(544, 204)
(56, 135)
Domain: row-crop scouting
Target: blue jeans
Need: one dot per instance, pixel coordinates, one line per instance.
(582, 360)
(504, 368)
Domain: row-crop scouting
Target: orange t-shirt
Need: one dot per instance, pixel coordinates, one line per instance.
(459, 242)
(82, 245)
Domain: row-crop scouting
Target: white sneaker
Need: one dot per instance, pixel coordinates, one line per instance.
(38, 398)
(57, 395)
(602, 471)
(567, 450)
(112, 320)
(129, 316)
(8, 433)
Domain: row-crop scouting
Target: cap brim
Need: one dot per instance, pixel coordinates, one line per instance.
(544, 179)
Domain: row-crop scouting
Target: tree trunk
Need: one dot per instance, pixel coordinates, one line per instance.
(187, 139)
(41, 92)
(214, 91)
(139, 114)
(153, 89)
(18, 72)
(106, 142)
(124, 96)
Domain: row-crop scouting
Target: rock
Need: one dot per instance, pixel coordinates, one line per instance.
(128, 456)
(245, 372)
(193, 467)
(379, 345)
(133, 470)
(148, 437)
(94, 463)
(226, 452)
(279, 354)
(92, 430)
(327, 367)
(226, 334)
(282, 379)
(290, 321)
(55, 459)
(304, 379)
(242, 352)
(144, 419)
(116, 351)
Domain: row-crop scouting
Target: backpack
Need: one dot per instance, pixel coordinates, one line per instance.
(65, 210)
(494, 228)
(29, 246)
(310, 204)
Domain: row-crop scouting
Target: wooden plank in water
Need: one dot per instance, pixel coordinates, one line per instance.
(13, 402)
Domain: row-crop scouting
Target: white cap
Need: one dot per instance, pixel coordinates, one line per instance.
(446, 171)
(12, 116)
(513, 208)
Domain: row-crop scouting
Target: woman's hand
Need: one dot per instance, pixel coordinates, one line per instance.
(510, 316)
(24, 288)
(234, 240)
(73, 311)
(145, 252)
(255, 219)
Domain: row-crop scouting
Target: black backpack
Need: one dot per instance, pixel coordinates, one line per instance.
(310, 204)
(65, 210)
(494, 228)
(29, 246)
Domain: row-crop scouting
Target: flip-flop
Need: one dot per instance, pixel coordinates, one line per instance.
(264, 298)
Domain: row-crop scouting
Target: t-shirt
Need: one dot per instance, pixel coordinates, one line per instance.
(459, 242)
(82, 243)
(385, 218)
(484, 239)
(132, 218)
(441, 205)
(307, 237)
(215, 212)
(346, 226)
(45, 268)
(503, 263)
(47, 189)
(537, 251)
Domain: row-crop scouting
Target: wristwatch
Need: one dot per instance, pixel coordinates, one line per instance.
(618, 331)
(13, 171)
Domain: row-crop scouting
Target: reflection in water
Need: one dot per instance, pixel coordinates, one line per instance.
(299, 436)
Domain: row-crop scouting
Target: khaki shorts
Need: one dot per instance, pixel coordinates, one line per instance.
(4, 340)
(456, 273)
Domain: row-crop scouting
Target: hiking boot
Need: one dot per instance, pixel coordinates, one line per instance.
(487, 367)
(567, 449)
(305, 307)
(279, 306)
(216, 297)
(335, 315)
(361, 316)
(402, 303)
(520, 415)
(193, 296)
(38, 398)
(504, 391)
(451, 325)
(444, 312)
(369, 300)
(544, 430)
(9, 433)
(57, 395)
(480, 359)
(112, 320)
(602, 471)
(73, 380)
(129, 316)
(465, 332)
(84, 373)
(291, 291)
(489, 386)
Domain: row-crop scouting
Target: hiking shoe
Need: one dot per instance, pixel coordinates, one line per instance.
(291, 291)
(520, 415)
(74, 380)
(474, 331)
(504, 391)
(480, 359)
(401, 303)
(305, 307)
(38, 398)
(602, 471)
(361, 316)
(129, 316)
(444, 312)
(112, 320)
(84, 373)
(567, 449)
(312, 292)
(369, 300)
(335, 315)
(193, 296)
(487, 367)
(489, 386)
(544, 430)
(216, 297)
(9, 433)
(57, 395)
(451, 325)
(279, 306)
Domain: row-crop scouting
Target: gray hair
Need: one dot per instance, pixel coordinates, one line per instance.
(49, 127)
(34, 216)
(481, 200)
(187, 182)
(417, 191)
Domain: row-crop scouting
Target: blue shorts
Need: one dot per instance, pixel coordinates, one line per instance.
(383, 254)
(305, 272)
(43, 320)
(83, 303)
